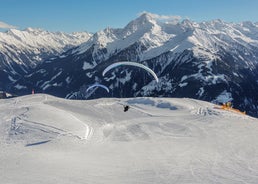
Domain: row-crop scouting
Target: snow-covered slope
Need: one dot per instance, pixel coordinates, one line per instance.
(44, 139)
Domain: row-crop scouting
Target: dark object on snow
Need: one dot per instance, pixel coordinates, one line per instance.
(126, 107)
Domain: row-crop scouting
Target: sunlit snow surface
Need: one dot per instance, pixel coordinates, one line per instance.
(44, 139)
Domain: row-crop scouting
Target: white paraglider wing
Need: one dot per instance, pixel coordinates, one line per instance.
(131, 64)
(97, 85)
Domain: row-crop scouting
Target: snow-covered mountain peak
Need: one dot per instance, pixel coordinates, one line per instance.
(145, 30)
(29, 29)
(35, 31)
(186, 23)
(143, 19)
(103, 37)
(143, 23)
(117, 39)
(249, 25)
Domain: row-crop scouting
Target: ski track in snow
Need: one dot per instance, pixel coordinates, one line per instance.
(40, 100)
(88, 130)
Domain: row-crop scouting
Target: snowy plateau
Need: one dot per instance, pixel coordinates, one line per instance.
(50, 140)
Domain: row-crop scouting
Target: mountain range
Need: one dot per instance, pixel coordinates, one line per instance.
(215, 61)
(22, 51)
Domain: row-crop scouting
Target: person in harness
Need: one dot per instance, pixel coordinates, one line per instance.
(126, 108)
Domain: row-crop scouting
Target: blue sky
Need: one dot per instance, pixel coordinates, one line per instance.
(94, 15)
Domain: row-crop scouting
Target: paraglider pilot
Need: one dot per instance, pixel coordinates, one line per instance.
(126, 108)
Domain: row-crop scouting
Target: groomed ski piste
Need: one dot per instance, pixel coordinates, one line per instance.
(47, 140)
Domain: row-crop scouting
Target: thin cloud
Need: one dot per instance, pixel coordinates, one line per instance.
(4, 25)
(165, 18)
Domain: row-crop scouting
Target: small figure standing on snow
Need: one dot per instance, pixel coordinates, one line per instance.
(229, 104)
(126, 108)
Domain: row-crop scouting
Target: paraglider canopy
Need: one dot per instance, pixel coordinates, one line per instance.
(97, 85)
(131, 64)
